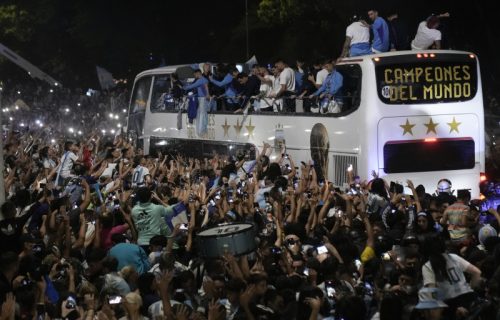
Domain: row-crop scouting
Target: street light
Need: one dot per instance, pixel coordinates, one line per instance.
(246, 27)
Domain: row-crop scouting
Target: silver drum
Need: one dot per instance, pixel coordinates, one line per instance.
(235, 238)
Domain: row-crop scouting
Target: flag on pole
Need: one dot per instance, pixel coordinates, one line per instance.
(105, 78)
(251, 61)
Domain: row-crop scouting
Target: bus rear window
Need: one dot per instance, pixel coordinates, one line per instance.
(426, 78)
(429, 155)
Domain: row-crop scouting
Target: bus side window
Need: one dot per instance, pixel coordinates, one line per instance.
(161, 99)
(351, 88)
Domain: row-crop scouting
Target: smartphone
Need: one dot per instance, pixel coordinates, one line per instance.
(115, 299)
(322, 249)
(330, 290)
(339, 213)
(306, 271)
(357, 262)
(70, 303)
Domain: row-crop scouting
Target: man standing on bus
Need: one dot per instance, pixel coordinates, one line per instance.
(287, 85)
(201, 86)
(228, 83)
(380, 31)
(357, 39)
(329, 91)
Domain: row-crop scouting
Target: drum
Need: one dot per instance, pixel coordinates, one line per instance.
(235, 238)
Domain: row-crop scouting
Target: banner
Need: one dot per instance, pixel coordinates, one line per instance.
(105, 78)
(251, 61)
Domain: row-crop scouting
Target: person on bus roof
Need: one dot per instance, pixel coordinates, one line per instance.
(228, 83)
(428, 34)
(357, 39)
(380, 32)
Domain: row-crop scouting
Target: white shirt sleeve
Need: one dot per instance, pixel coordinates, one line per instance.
(438, 35)
(428, 274)
(321, 76)
(461, 262)
(72, 156)
(284, 77)
(349, 32)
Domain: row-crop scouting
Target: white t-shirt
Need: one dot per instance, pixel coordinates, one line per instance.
(287, 77)
(108, 172)
(138, 175)
(425, 37)
(49, 163)
(455, 284)
(321, 76)
(358, 33)
(266, 89)
(67, 161)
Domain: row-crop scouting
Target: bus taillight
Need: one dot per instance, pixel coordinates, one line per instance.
(432, 55)
(482, 177)
(472, 56)
(430, 140)
(377, 59)
(419, 55)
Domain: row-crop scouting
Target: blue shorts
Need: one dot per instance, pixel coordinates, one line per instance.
(360, 49)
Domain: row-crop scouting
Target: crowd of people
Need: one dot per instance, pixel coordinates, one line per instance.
(61, 111)
(92, 228)
(96, 229)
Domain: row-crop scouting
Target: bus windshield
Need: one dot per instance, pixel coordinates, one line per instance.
(426, 78)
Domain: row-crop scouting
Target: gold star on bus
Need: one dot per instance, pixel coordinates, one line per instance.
(226, 127)
(454, 125)
(407, 127)
(238, 127)
(431, 126)
(250, 128)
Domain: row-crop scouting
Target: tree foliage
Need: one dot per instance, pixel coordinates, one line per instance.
(15, 23)
(279, 11)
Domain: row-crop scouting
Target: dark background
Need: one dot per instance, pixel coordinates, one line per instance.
(67, 39)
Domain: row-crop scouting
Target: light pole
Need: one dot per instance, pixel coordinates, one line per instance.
(246, 28)
(2, 180)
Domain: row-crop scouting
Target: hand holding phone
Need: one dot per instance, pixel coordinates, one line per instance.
(115, 299)
(322, 249)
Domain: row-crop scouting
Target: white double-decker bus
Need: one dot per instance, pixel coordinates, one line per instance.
(405, 115)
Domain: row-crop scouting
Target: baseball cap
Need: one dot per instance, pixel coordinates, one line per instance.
(429, 298)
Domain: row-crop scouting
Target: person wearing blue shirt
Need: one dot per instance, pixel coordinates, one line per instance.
(228, 83)
(380, 31)
(201, 86)
(329, 92)
(129, 254)
(299, 74)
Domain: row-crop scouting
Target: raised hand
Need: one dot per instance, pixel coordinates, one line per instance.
(9, 307)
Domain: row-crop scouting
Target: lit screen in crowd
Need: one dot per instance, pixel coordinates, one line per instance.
(412, 80)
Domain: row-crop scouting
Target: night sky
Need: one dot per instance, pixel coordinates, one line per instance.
(68, 38)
